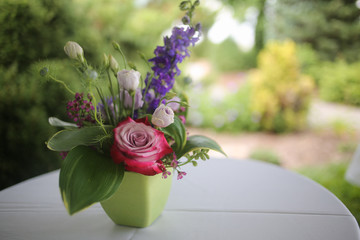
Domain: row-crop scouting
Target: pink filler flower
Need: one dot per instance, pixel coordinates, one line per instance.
(139, 146)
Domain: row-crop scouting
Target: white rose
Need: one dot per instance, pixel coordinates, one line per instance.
(163, 116)
(74, 50)
(128, 79)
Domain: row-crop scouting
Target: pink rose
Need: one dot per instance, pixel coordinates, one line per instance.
(140, 146)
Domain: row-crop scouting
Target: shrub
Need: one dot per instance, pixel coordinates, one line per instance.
(231, 113)
(266, 156)
(25, 106)
(25, 35)
(340, 82)
(280, 93)
(231, 57)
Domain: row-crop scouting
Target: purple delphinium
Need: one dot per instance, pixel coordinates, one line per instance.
(80, 110)
(166, 62)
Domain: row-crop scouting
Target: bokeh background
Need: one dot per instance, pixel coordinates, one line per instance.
(272, 80)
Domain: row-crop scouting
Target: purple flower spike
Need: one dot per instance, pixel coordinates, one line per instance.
(166, 62)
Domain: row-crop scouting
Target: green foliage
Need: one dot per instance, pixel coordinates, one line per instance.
(26, 35)
(66, 140)
(331, 176)
(280, 93)
(198, 144)
(342, 128)
(231, 113)
(87, 177)
(266, 156)
(340, 82)
(226, 56)
(135, 28)
(177, 131)
(331, 27)
(24, 128)
(309, 61)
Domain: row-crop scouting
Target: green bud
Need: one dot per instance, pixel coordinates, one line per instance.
(44, 71)
(194, 163)
(187, 80)
(184, 104)
(197, 3)
(116, 46)
(185, 5)
(106, 61)
(170, 95)
(132, 66)
(142, 56)
(113, 64)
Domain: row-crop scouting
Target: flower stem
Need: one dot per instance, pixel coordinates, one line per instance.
(123, 57)
(96, 110)
(112, 93)
(133, 104)
(61, 82)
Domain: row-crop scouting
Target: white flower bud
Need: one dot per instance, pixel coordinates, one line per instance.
(106, 61)
(128, 79)
(113, 64)
(74, 51)
(163, 116)
(173, 103)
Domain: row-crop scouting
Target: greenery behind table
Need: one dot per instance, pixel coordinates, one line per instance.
(24, 127)
(332, 177)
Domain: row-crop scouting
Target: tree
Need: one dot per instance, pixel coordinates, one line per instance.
(332, 27)
(240, 8)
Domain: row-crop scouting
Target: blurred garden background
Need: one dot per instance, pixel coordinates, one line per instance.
(272, 80)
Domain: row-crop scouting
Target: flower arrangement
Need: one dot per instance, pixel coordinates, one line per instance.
(125, 121)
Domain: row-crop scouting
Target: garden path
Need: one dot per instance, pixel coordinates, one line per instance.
(332, 136)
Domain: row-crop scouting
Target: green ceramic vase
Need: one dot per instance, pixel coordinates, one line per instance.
(139, 200)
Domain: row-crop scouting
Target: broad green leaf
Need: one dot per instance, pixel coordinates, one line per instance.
(59, 123)
(87, 177)
(199, 142)
(177, 131)
(66, 140)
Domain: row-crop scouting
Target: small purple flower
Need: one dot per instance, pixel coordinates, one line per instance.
(180, 175)
(80, 110)
(63, 155)
(174, 163)
(165, 174)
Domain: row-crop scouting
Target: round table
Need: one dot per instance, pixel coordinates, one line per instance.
(219, 199)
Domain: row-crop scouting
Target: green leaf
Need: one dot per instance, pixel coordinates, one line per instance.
(87, 177)
(55, 122)
(198, 142)
(177, 131)
(66, 140)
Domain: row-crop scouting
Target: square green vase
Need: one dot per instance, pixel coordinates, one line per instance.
(139, 200)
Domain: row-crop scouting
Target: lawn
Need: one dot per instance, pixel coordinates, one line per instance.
(331, 176)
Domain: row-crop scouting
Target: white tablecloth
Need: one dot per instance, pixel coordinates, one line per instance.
(219, 199)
